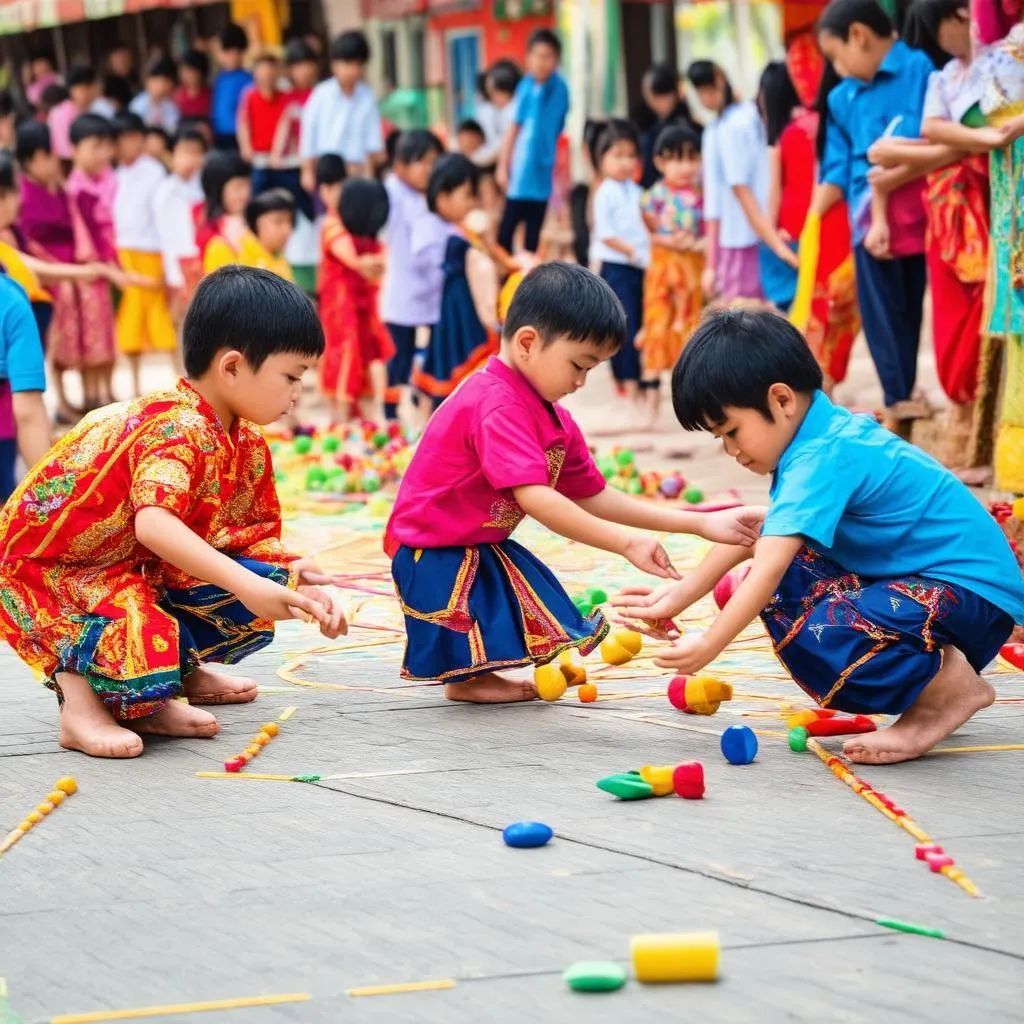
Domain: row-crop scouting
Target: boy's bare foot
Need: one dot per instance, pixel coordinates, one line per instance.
(949, 700)
(491, 689)
(86, 723)
(177, 719)
(204, 686)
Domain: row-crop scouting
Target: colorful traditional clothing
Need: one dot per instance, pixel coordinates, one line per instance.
(459, 342)
(673, 298)
(475, 601)
(220, 252)
(78, 593)
(354, 336)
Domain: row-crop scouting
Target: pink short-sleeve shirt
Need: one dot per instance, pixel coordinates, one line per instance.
(495, 433)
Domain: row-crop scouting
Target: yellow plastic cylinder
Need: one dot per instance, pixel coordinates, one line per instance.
(684, 956)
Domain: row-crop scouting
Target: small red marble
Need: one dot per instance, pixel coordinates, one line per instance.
(688, 780)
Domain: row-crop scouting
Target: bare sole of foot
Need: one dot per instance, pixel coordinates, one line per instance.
(178, 719)
(97, 737)
(204, 686)
(955, 695)
(491, 689)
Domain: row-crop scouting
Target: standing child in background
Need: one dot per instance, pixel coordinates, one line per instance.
(621, 244)
(465, 334)
(663, 97)
(155, 106)
(157, 146)
(227, 185)
(269, 220)
(526, 165)
(469, 140)
(357, 346)
(232, 80)
(144, 320)
(508, 450)
(673, 210)
(193, 96)
(415, 279)
(174, 202)
(83, 90)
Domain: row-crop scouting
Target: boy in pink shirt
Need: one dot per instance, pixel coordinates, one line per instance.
(501, 448)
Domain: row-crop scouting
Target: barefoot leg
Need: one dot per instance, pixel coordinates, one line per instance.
(955, 694)
(204, 686)
(491, 689)
(86, 724)
(177, 719)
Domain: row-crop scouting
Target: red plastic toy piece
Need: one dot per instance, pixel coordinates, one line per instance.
(938, 861)
(1014, 654)
(688, 780)
(922, 850)
(840, 726)
(234, 765)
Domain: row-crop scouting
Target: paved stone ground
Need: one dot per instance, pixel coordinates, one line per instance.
(152, 886)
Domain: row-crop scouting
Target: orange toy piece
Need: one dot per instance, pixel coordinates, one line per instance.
(587, 693)
(698, 695)
(549, 682)
(575, 675)
(621, 647)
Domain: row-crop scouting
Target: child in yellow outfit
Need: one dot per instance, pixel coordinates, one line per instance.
(270, 218)
(144, 321)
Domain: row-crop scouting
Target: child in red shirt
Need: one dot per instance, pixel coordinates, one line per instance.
(193, 96)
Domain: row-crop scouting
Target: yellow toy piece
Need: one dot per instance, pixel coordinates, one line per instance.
(575, 675)
(658, 777)
(705, 693)
(549, 681)
(801, 718)
(687, 956)
(621, 647)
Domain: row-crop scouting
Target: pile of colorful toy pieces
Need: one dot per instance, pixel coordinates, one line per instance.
(267, 732)
(824, 722)
(620, 470)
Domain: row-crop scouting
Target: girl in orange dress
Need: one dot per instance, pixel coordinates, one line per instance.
(357, 344)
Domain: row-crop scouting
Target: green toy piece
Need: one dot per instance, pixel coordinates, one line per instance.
(316, 477)
(594, 976)
(625, 457)
(305, 778)
(330, 444)
(911, 929)
(798, 739)
(634, 487)
(595, 595)
(303, 444)
(626, 787)
(694, 495)
(607, 467)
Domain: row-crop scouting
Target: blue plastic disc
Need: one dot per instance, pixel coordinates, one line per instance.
(739, 744)
(524, 835)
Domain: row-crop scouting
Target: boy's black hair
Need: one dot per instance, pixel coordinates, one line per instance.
(7, 105)
(90, 126)
(469, 125)
(252, 311)
(617, 130)
(505, 76)
(233, 37)
(391, 147)
(451, 171)
(350, 47)
(165, 135)
(778, 98)
(118, 90)
(80, 74)
(163, 67)
(544, 37)
(733, 358)
(364, 207)
(31, 137)
(675, 140)
(841, 14)
(662, 80)
(190, 134)
(53, 95)
(330, 169)
(266, 57)
(921, 26)
(565, 300)
(298, 51)
(198, 61)
(8, 179)
(221, 166)
(271, 201)
(414, 145)
(43, 54)
(127, 123)
(703, 73)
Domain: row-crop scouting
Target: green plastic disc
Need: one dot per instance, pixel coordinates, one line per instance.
(597, 596)
(625, 787)
(798, 739)
(594, 976)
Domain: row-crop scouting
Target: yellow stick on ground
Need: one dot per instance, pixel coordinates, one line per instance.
(975, 750)
(245, 775)
(178, 1008)
(402, 987)
(286, 714)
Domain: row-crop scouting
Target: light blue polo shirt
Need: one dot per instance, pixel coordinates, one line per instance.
(22, 362)
(540, 111)
(883, 508)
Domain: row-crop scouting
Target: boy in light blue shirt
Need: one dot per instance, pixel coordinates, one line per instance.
(883, 583)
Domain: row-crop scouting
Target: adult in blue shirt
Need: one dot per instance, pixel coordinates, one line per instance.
(885, 586)
(526, 167)
(228, 86)
(24, 424)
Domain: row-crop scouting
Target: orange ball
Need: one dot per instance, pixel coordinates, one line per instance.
(57, 797)
(271, 728)
(260, 739)
(252, 750)
(45, 808)
(35, 817)
(67, 785)
(587, 693)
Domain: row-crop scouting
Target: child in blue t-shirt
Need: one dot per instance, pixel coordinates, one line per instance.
(883, 583)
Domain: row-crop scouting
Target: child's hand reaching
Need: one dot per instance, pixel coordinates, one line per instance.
(734, 525)
(687, 655)
(648, 555)
(650, 611)
(334, 623)
(311, 575)
(269, 600)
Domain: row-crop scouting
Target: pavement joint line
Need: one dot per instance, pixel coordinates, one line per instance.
(856, 915)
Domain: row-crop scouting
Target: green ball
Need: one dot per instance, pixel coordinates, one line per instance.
(330, 444)
(608, 468)
(625, 457)
(798, 739)
(585, 608)
(595, 595)
(380, 439)
(634, 486)
(315, 477)
(303, 445)
(694, 495)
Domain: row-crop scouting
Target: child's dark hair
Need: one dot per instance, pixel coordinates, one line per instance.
(273, 200)
(505, 76)
(31, 137)
(413, 146)
(52, 96)
(233, 37)
(163, 67)
(704, 74)
(350, 47)
(251, 311)
(8, 179)
(117, 90)
(197, 61)
(829, 80)
(190, 134)
(451, 171)
(80, 74)
(127, 123)
(677, 141)
(330, 169)
(733, 358)
(544, 37)
(364, 207)
(565, 300)
(472, 127)
(662, 80)
(298, 51)
(617, 130)
(921, 26)
(90, 126)
(220, 167)
(266, 57)
(154, 130)
(778, 99)
(841, 14)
